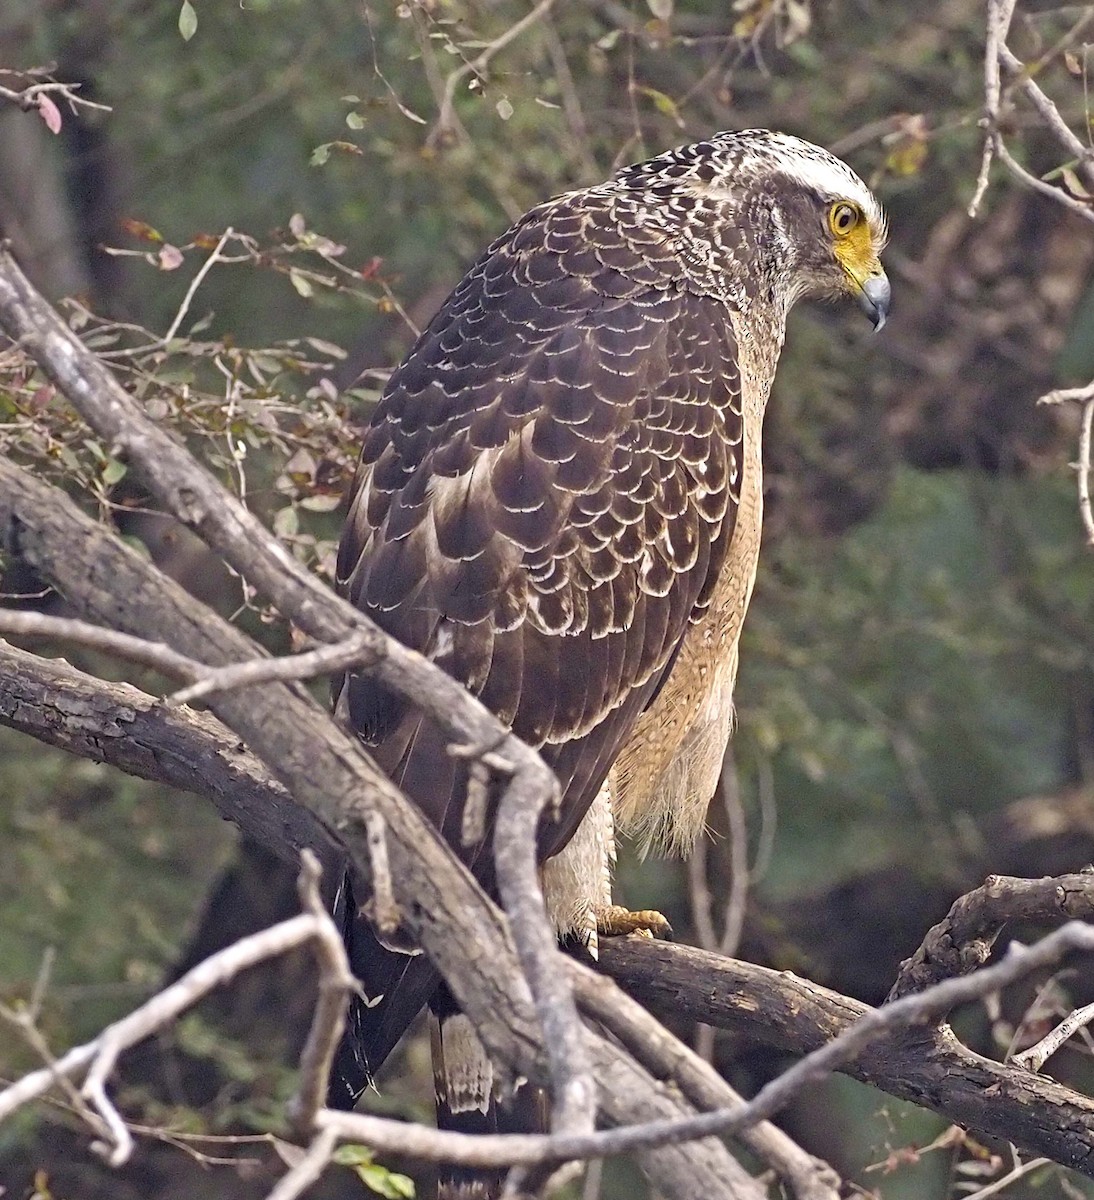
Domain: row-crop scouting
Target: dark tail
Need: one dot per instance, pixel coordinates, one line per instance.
(470, 1100)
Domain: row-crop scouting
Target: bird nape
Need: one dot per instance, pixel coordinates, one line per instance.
(559, 502)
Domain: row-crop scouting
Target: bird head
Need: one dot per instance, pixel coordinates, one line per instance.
(791, 214)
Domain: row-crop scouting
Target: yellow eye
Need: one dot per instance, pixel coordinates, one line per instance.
(842, 218)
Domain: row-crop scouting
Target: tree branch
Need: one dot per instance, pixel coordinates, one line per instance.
(118, 724)
(667, 1058)
(910, 1011)
(963, 941)
(930, 1067)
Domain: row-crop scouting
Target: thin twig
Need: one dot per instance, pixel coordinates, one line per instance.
(316, 1158)
(1079, 207)
(336, 983)
(138, 650)
(1036, 1056)
(1084, 471)
(1023, 1169)
(1085, 397)
(477, 66)
(102, 1052)
(195, 283)
(28, 98)
(1000, 13)
(357, 650)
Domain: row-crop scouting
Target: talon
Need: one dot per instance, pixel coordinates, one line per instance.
(617, 921)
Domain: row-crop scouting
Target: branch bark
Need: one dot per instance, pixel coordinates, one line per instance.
(963, 941)
(927, 1066)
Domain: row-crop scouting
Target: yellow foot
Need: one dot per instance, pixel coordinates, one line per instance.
(615, 921)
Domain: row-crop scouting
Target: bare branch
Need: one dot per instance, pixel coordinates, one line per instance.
(1036, 1056)
(1000, 13)
(311, 1165)
(770, 1006)
(926, 1066)
(964, 939)
(355, 651)
(336, 983)
(118, 724)
(667, 1058)
(533, 1149)
(446, 119)
(30, 98)
(101, 1054)
(157, 655)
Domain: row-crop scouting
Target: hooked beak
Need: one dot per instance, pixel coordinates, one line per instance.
(874, 297)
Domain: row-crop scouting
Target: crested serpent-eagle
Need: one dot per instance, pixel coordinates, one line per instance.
(559, 502)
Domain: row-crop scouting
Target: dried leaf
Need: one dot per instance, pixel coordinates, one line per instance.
(142, 230)
(661, 9)
(170, 257)
(50, 113)
(504, 108)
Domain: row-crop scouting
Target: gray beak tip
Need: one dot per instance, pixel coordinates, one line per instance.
(874, 299)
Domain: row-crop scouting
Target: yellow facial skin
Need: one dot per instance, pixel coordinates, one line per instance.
(856, 252)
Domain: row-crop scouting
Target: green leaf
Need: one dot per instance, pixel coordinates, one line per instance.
(504, 108)
(302, 284)
(114, 472)
(386, 1183)
(355, 120)
(286, 523)
(389, 1184)
(188, 20)
(320, 155)
(664, 104)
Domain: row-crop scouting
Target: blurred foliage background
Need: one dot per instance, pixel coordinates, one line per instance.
(916, 696)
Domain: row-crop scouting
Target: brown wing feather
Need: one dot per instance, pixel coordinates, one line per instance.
(544, 500)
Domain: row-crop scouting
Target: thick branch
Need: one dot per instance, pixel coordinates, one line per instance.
(928, 1067)
(964, 939)
(118, 724)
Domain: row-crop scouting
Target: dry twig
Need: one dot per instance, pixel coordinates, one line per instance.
(1036, 1056)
